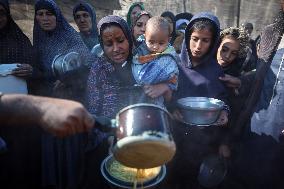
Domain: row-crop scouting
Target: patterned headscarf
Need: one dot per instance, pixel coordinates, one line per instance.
(14, 44)
(63, 39)
(118, 21)
(92, 39)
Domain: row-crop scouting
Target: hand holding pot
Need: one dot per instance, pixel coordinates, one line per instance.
(22, 70)
(222, 119)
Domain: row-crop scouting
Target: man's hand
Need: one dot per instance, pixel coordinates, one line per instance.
(64, 117)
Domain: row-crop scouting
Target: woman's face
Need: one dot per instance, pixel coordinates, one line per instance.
(3, 17)
(171, 24)
(200, 41)
(115, 44)
(83, 21)
(140, 26)
(228, 51)
(134, 12)
(46, 20)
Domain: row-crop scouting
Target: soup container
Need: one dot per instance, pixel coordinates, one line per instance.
(200, 110)
(119, 181)
(143, 136)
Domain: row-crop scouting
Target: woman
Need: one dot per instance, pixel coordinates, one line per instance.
(110, 84)
(20, 165)
(15, 46)
(172, 21)
(85, 18)
(105, 85)
(139, 26)
(199, 77)
(133, 10)
(62, 158)
(53, 36)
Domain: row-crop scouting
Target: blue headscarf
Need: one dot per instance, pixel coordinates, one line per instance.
(92, 39)
(63, 39)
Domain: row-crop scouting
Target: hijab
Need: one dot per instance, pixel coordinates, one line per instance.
(62, 40)
(92, 39)
(139, 4)
(14, 44)
(172, 17)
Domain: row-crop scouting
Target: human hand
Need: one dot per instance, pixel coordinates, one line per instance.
(222, 119)
(22, 70)
(231, 81)
(156, 90)
(64, 117)
(224, 151)
(177, 115)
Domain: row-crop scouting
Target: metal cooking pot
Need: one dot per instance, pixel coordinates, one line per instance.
(119, 183)
(143, 136)
(63, 63)
(200, 111)
(212, 171)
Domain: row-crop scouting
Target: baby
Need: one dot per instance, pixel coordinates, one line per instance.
(155, 61)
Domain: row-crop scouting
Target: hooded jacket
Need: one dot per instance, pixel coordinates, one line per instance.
(202, 80)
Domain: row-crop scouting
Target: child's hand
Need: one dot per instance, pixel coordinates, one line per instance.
(223, 119)
(177, 115)
(157, 90)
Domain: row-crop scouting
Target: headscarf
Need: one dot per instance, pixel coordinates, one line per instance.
(14, 44)
(212, 50)
(172, 17)
(201, 80)
(62, 40)
(110, 75)
(138, 41)
(139, 4)
(182, 18)
(92, 39)
(118, 21)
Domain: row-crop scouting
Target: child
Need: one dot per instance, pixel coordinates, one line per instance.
(155, 61)
(198, 77)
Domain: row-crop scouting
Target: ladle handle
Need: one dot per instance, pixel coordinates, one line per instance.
(104, 124)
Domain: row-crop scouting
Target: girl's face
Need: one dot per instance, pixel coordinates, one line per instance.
(115, 44)
(228, 51)
(200, 41)
(140, 26)
(46, 20)
(134, 11)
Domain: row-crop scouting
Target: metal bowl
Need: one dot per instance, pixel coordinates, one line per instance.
(200, 110)
(116, 181)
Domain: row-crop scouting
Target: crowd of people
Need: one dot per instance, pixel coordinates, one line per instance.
(146, 58)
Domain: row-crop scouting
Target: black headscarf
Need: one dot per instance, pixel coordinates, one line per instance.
(14, 44)
(172, 17)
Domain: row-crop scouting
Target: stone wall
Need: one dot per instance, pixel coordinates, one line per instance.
(23, 12)
(259, 12)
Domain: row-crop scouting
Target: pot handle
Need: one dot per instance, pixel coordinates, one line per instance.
(104, 124)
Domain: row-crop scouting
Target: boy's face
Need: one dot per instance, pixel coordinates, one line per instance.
(200, 41)
(156, 40)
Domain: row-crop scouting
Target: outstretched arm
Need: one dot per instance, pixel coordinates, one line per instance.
(57, 116)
